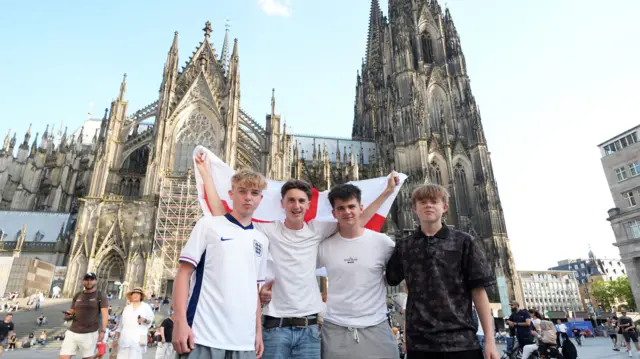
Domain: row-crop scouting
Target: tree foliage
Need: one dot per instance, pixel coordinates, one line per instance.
(603, 293)
(606, 293)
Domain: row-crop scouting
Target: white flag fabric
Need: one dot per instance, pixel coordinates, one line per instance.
(270, 208)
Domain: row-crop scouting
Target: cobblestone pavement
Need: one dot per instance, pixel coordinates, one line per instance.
(595, 348)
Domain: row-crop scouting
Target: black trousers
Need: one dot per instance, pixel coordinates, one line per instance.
(469, 354)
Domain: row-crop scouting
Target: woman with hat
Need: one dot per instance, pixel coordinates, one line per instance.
(131, 335)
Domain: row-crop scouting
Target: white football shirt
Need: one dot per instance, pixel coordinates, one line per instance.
(292, 265)
(357, 293)
(229, 260)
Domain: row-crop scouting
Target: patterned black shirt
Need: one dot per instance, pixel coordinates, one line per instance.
(440, 272)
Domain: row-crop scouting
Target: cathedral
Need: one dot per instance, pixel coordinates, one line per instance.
(132, 184)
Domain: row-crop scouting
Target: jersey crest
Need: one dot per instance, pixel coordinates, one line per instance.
(257, 246)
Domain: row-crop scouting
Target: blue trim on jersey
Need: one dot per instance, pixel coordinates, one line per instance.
(233, 220)
(195, 295)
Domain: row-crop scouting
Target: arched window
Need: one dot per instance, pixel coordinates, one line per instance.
(461, 190)
(436, 174)
(427, 47)
(196, 130)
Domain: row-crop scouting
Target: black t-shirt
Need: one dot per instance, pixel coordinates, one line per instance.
(5, 328)
(628, 322)
(521, 316)
(167, 324)
(440, 271)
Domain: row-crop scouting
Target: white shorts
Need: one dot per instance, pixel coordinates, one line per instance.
(80, 344)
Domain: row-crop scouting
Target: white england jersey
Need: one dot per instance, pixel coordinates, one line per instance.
(229, 261)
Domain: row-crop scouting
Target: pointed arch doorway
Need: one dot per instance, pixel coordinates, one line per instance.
(110, 271)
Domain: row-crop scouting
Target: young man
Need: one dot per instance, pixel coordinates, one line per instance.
(225, 259)
(520, 319)
(628, 332)
(355, 325)
(6, 330)
(294, 301)
(89, 313)
(445, 270)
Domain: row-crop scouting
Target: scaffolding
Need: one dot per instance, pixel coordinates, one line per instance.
(178, 211)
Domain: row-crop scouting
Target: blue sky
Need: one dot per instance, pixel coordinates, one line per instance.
(552, 78)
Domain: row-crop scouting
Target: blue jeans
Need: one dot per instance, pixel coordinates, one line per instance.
(291, 343)
(509, 344)
(481, 341)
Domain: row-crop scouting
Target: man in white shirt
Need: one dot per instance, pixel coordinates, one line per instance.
(290, 329)
(355, 325)
(561, 329)
(224, 259)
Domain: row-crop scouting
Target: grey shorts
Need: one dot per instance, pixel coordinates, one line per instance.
(202, 352)
(375, 342)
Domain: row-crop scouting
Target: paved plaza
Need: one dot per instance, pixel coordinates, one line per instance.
(595, 348)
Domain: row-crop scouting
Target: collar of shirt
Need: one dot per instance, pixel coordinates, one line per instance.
(443, 233)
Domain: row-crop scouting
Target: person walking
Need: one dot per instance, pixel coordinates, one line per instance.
(90, 317)
(7, 329)
(130, 340)
(355, 324)
(612, 331)
(165, 331)
(445, 271)
(625, 323)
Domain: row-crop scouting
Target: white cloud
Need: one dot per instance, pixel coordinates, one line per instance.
(276, 7)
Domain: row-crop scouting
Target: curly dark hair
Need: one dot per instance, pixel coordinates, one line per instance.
(344, 192)
(304, 186)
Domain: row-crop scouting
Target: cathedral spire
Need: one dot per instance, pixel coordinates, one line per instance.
(63, 140)
(27, 136)
(273, 102)
(7, 140)
(224, 57)
(207, 30)
(34, 145)
(234, 54)
(375, 30)
(12, 144)
(123, 87)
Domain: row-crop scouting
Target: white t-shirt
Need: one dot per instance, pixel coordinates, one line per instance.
(229, 259)
(357, 291)
(292, 264)
(561, 328)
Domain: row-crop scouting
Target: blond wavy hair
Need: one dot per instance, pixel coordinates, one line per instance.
(249, 179)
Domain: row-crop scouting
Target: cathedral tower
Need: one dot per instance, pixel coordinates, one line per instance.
(413, 99)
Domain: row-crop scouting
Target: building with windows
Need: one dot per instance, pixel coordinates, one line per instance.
(554, 293)
(589, 271)
(621, 164)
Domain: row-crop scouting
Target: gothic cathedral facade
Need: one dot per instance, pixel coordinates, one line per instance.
(414, 112)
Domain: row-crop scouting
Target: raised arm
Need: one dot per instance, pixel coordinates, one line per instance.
(392, 182)
(213, 200)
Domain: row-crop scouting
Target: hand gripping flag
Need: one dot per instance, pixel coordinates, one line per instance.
(270, 208)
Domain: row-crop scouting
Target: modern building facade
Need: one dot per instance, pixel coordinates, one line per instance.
(414, 112)
(589, 271)
(621, 165)
(553, 292)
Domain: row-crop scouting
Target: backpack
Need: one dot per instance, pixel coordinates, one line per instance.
(75, 297)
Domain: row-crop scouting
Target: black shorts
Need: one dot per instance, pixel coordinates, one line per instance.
(613, 336)
(630, 336)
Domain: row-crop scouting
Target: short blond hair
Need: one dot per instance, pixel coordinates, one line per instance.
(249, 179)
(430, 191)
